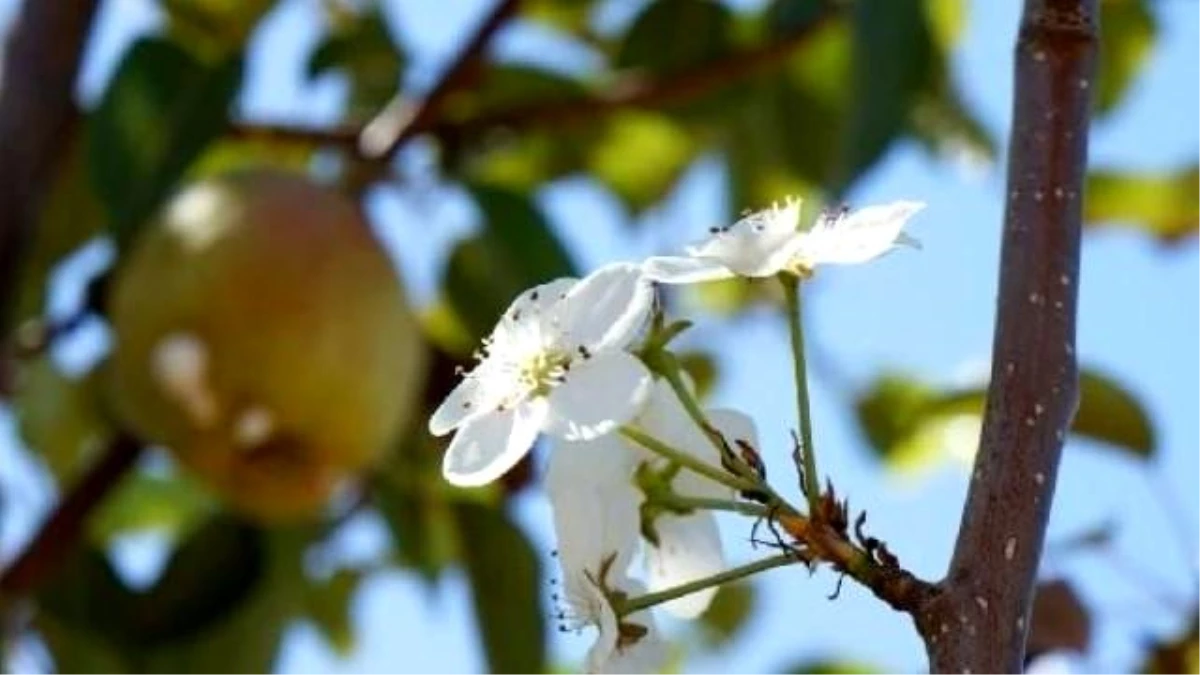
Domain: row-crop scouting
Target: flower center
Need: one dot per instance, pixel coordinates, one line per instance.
(544, 370)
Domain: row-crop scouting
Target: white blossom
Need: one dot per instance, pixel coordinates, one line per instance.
(556, 362)
(596, 504)
(768, 242)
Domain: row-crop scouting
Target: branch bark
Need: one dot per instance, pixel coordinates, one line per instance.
(37, 80)
(630, 91)
(59, 534)
(979, 620)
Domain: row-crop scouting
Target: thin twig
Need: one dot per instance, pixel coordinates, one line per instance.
(400, 121)
(632, 90)
(60, 532)
(41, 60)
(1033, 393)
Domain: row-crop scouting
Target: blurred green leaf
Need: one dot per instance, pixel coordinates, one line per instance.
(1165, 205)
(570, 16)
(909, 422)
(731, 608)
(947, 128)
(1126, 39)
(214, 27)
(1109, 413)
(670, 35)
(893, 57)
(361, 48)
(420, 518)
(1058, 621)
(947, 20)
(71, 214)
(161, 110)
(515, 250)
(327, 604)
(1180, 654)
(832, 667)
(227, 155)
(169, 505)
(640, 155)
(702, 368)
(506, 587)
(58, 418)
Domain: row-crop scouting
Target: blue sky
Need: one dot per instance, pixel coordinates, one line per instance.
(925, 312)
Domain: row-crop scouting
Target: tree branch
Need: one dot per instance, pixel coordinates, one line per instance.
(399, 121)
(59, 534)
(41, 62)
(980, 620)
(629, 91)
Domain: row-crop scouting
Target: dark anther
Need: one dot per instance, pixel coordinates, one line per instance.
(533, 296)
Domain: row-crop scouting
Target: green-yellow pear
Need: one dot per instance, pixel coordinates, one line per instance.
(262, 334)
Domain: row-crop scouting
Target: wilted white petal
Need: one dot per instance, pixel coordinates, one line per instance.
(681, 270)
(599, 394)
(858, 236)
(488, 445)
(665, 418)
(689, 548)
(611, 653)
(608, 308)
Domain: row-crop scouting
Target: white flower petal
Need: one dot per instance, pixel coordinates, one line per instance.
(594, 502)
(689, 549)
(608, 308)
(598, 395)
(751, 247)
(858, 236)
(488, 445)
(681, 270)
(665, 418)
(475, 395)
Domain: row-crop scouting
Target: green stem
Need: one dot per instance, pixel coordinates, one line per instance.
(812, 489)
(681, 502)
(651, 599)
(683, 459)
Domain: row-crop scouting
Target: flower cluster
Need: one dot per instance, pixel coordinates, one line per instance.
(561, 362)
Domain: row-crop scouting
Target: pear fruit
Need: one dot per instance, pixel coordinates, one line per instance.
(263, 336)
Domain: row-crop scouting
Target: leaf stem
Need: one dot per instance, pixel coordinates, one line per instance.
(684, 459)
(808, 459)
(678, 501)
(651, 599)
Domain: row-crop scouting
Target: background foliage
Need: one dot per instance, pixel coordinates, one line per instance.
(631, 99)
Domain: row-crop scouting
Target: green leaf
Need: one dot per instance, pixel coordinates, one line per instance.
(702, 368)
(169, 505)
(420, 519)
(362, 49)
(571, 16)
(731, 609)
(947, 21)
(1126, 39)
(214, 27)
(1165, 205)
(909, 423)
(698, 30)
(941, 121)
(71, 214)
(515, 250)
(58, 418)
(832, 666)
(1110, 414)
(506, 587)
(161, 110)
(640, 155)
(1179, 654)
(327, 604)
(1058, 621)
(893, 52)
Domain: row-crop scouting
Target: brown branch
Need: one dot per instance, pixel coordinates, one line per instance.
(399, 121)
(980, 621)
(59, 534)
(629, 91)
(41, 62)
